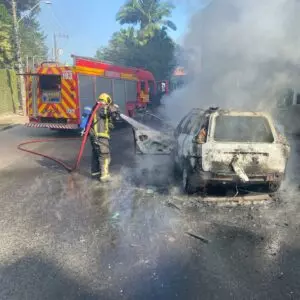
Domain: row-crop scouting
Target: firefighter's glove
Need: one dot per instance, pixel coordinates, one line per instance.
(115, 111)
(102, 112)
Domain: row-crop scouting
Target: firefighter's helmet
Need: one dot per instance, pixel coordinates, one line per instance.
(105, 98)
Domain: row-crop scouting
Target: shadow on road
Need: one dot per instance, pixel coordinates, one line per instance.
(34, 277)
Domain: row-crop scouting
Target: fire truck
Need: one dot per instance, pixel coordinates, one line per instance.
(57, 94)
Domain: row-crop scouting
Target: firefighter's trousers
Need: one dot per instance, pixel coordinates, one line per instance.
(100, 157)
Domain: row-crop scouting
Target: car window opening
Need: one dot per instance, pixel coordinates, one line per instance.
(202, 135)
(243, 129)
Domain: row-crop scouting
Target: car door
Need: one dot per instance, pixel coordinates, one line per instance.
(179, 137)
(150, 141)
(188, 133)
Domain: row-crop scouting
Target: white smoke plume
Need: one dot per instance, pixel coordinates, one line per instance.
(243, 52)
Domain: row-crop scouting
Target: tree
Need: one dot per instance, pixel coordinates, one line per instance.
(158, 54)
(32, 39)
(147, 46)
(6, 49)
(155, 56)
(31, 36)
(148, 14)
(22, 5)
(122, 49)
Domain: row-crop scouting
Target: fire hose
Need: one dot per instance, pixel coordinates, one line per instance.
(60, 162)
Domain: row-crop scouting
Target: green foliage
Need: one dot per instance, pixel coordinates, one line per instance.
(32, 39)
(122, 48)
(156, 55)
(22, 5)
(6, 48)
(8, 91)
(148, 14)
(147, 47)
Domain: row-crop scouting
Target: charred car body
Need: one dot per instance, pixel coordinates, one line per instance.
(229, 147)
(217, 146)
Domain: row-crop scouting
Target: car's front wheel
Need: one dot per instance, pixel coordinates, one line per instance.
(273, 187)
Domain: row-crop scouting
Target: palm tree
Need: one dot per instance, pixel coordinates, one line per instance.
(149, 14)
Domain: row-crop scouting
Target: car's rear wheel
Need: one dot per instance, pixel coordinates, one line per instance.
(187, 184)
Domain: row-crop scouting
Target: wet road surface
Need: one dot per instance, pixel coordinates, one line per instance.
(65, 236)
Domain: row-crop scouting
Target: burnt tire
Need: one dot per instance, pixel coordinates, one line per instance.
(273, 187)
(187, 185)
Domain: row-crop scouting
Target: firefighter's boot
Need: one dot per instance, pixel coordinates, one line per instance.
(105, 176)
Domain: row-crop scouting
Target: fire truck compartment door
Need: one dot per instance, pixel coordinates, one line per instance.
(34, 89)
(86, 91)
(119, 94)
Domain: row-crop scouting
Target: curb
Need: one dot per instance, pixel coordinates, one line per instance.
(8, 127)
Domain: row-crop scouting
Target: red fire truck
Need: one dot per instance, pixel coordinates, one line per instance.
(57, 94)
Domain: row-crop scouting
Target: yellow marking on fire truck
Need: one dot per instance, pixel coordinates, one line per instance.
(90, 71)
(67, 109)
(69, 99)
(128, 76)
(42, 108)
(61, 111)
(55, 71)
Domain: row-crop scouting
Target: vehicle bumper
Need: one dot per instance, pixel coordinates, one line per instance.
(52, 125)
(213, 178)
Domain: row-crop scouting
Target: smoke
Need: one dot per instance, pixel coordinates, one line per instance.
(241, 53)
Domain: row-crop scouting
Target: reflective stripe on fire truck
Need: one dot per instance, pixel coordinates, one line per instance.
(90, 71)
(53, 126)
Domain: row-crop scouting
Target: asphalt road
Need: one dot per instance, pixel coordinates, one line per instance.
(65, 236)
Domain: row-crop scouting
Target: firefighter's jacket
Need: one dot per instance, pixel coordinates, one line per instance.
(103, 122)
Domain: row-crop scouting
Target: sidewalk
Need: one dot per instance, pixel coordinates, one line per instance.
(10, 120)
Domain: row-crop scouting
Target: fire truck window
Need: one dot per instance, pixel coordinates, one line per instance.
(151, 87)
(50, 82)
(298, 99)
(143, 86)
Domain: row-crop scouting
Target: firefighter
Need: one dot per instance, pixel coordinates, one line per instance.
(100, 136)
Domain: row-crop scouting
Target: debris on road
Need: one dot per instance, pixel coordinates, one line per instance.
(171, 204)
(115, 215)
(198, 237)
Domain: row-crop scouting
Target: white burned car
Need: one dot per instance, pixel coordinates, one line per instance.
(223, 147)
(217, 146)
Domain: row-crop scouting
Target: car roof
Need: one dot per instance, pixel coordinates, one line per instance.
(229, 112)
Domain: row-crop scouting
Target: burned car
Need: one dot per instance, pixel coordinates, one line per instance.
(215, 146)
(229, 147)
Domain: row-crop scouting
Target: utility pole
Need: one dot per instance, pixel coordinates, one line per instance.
(55, 48)
(55, 54)
(21, 83)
